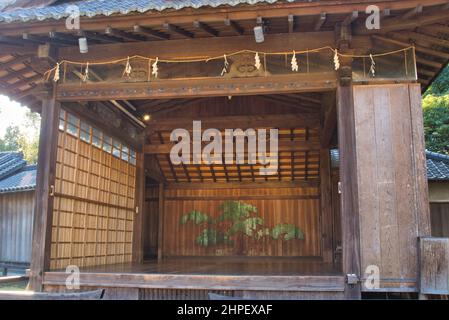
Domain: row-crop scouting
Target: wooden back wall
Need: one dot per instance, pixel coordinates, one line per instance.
(298, 206)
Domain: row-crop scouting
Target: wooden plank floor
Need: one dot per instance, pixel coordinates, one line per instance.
(280, 274)
(223, 266)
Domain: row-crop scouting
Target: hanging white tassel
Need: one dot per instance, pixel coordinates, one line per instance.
(154, 68)
(56, 76)
(294, 63)
(86, 73)
(257, 63)
(336, 60)
(128, 68)
(225, 67)
(372, 69)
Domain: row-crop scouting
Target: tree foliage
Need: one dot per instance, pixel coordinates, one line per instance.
(15, 139)
(436, 114)
(237, 218)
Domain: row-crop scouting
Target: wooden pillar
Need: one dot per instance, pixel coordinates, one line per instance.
(326, 205)
(160, 234)
(349, 195)
(46, 170)
(138, 233)
(392, 182)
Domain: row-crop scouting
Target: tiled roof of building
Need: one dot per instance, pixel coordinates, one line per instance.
(91, 8)
(15, 175)
(437, 165)
(10, 162)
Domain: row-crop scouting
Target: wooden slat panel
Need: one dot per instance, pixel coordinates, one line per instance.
(439, 213)
(388, 183)
(299, 206)
(434, 264)
(16, 225)
(94, 205)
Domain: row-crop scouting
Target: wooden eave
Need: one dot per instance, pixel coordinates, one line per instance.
(227, 29)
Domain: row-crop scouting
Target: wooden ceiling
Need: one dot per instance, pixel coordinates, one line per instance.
(296, 116)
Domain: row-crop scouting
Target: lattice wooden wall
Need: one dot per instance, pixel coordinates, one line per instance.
(94, 197)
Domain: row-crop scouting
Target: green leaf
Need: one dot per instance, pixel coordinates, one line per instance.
(235, 210)
(247, 226)
(195, 216)
(289, 231)
(207, 237)
(210, 237)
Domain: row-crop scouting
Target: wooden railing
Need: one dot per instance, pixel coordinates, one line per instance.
(434, 266)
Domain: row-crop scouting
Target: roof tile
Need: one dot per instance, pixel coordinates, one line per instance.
(437, 165)
(91, 8)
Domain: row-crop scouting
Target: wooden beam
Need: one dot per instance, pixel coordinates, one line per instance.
(161, 215)
(349, 196)
(86, 111)
(46, 172)
(419, 162)
(291, 23)
(415, 36)
(124, 35)
(412, 13)
(301, 107)
(418, 48)
(98, 36)
(329, 121)
(11, 41)
(350, 18)
(138, 239)
(206, 47)
(16, 74)
(153, 170)
(320, 21)
(235, 26)
(197, 88)
(173, 28)
(429, 63)
(42, 40)
(283, 146)
(243, 185)
(440, 28)
(26, 49)
(396, 24)
(173, 106)
(63, 36)
(150, 32)
(207, 282)
(15, 61)
(326, 206)
(206, 28)
(24, 82)
(425, 72)
(294, 120)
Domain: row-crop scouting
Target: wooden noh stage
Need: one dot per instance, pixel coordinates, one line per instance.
(113, 202)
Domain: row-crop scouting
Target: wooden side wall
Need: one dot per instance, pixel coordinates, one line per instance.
(439, 214)
(150, 220)
(16, 226)
(392, 184)
(299, 206)
(94, 205)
